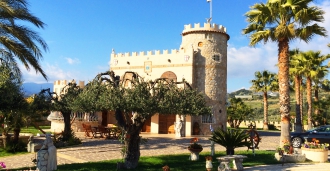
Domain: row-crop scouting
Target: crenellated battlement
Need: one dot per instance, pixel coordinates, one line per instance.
(207, 27)
(148, 53)
(63, 83)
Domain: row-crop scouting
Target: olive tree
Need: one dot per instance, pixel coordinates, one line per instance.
(144, 99)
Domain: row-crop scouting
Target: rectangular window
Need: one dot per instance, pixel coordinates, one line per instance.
(208, 119)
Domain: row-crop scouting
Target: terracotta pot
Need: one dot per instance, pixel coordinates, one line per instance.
(195, 150)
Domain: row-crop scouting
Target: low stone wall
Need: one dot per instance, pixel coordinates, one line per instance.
(58, 126)
(77, 125)
(259, 124)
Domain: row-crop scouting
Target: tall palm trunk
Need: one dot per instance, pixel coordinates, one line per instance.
(301, 97)
(284, 91)
(316, 99)
(309, 101)
(298, 124)
(265, 111)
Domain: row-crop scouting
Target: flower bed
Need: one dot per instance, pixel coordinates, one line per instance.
(315, 152)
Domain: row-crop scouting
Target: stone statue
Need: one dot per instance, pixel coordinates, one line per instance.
(178, 126)
(47, 157)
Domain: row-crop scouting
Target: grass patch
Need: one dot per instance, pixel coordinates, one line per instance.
(3, 153)
(178, 162)
(33, 130)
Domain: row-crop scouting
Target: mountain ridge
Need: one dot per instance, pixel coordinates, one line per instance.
(31, 88)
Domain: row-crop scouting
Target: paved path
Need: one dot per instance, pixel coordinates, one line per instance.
(98, 150)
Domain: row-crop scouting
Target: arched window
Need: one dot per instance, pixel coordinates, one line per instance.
(169, 75)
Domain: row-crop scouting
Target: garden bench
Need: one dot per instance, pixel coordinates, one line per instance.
(237, 162)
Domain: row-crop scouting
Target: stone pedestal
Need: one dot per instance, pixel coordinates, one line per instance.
(208, 165)
(315, 155)
(42, 160)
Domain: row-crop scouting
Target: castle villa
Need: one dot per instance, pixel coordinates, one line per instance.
(201, 60)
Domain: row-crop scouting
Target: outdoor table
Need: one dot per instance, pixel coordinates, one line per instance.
(112, 131)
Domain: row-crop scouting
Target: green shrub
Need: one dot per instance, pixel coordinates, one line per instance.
(271, 127)
(12, 147)
(230, 139)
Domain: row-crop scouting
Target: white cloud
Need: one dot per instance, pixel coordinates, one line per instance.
(244, 61)
(72, 61)
(53, 72)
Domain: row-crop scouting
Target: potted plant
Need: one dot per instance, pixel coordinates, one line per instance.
(315, 151)
(194, 149)
(286, 154)
(230, 139)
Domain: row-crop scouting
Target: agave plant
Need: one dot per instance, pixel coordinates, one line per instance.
(230, 139)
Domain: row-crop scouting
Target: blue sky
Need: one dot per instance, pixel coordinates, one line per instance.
(81, 34)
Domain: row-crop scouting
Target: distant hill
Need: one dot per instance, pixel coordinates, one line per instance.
(34, 88)
(240, 92)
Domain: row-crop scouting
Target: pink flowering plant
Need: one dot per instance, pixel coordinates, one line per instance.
(2, 165)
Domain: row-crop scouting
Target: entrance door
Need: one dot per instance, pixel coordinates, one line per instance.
(147, 125)
(166, 124)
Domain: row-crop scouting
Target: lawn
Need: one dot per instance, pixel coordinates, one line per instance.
(33, 130)
(179, 162)
(3, 153)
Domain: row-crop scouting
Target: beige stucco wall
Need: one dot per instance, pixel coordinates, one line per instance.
(173, 60)
(154, 124)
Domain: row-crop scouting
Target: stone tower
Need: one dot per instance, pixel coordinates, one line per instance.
(209, 70)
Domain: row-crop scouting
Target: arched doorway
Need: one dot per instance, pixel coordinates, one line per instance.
(169, 75)
(166, 122)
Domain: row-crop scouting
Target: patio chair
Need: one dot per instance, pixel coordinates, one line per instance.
(88, 129)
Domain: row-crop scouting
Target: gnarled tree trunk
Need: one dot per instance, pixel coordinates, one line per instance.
(67, 126)
(16, 135)
(132, 155)
(5, 139)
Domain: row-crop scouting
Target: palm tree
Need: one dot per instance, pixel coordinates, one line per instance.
(17, 39)
(7, 60)
(312, 69)
(296, 71)
(282, 21)
(265, 81)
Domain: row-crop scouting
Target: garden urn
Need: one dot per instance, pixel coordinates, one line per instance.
(194, 153)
